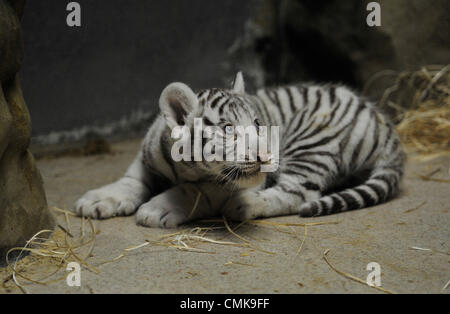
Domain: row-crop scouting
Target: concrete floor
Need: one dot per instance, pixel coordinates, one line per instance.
(382, 234)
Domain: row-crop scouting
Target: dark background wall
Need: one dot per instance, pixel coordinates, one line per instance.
(122, 56)
(126, 52)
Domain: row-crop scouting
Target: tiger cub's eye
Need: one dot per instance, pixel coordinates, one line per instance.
(229, 129)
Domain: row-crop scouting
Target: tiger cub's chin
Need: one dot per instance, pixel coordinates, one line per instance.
(251, 181)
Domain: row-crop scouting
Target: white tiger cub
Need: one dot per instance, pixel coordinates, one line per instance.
(328, 135)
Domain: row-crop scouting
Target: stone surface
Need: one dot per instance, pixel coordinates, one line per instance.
(23, 205)
(294, 40)
(419, 217)
(11, 46)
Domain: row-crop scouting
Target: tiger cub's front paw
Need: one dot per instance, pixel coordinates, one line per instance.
(117, 199)
(244, 206)
(159, 213)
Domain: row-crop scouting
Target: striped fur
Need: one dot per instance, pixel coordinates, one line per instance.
(329, 135)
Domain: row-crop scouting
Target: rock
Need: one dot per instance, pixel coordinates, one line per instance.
(23, 205)
(298, 40)
(419, 31)
(11, 46)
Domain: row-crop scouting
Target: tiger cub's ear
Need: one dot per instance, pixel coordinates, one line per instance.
(238, 84)
(177, 101)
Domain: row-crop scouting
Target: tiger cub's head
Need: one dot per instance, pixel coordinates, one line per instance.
(229, 143)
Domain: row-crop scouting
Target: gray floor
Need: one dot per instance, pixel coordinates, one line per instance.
(383, 234)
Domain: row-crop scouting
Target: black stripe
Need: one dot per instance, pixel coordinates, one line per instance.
(347, 108)
(319, 143)
(344, 142)
(387, 179)
(368, 199)
(271, 95)
(323, 205)
(379, 191)
(294, 192)
(245, 107)
(311, 186)
(212, 93)
(314, 208)
(216, 101)
(388, 136)
(305, 92)
(207, 122)
(350, 201)
(317, 104)
(291, 99)
(308, 127)
(395, 144)
(333, 157)
(323, 125)
(204, 142)
(264, 108)
(328, 139)
(293, 172)
(222, 106)
(307, 168)
(278, 104)
(334, 110)
(293, 137)
(332, 92)
(358, 146)
(201, 94)
(233, 109)
(145, 153)
(376, 137)
(260, 115)
(305, 154)
(316, 163)
(337, 205)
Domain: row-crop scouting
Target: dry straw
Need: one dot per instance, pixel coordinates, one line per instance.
(350, 276)
(52, 254)
(420, 104)
(51, 251)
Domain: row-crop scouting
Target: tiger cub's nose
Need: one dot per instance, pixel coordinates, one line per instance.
(264, 157)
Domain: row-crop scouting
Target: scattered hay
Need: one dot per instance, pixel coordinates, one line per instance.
(254, 246)
(273, 223)
(416, 248)
(50, 256)
(415, 208)
(419, 101)
(194, 208)
(430, 178)
(303, 241)
(350, 276)
(426, 130)
(446, 286)
(189, 239)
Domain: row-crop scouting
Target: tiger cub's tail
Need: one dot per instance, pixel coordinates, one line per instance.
(382, 184)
